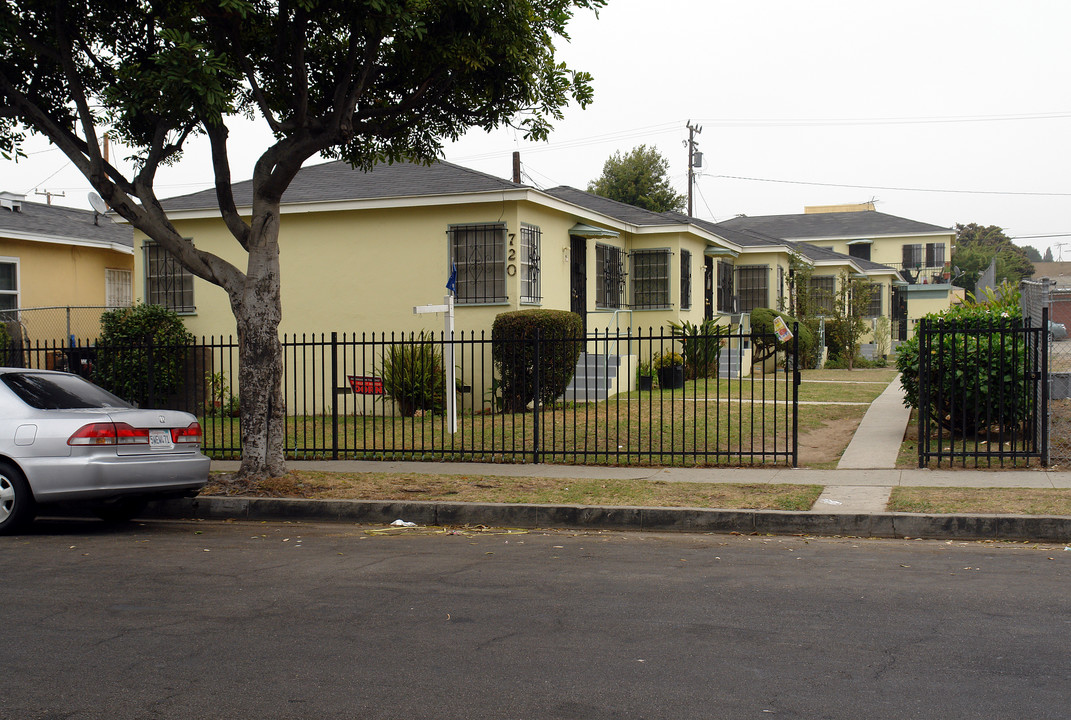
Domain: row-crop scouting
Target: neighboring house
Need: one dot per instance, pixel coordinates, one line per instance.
(919, 252)
(59, 257)
(359, 250)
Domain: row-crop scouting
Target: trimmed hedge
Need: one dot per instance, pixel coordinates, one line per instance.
(513, 334)
(141, 347)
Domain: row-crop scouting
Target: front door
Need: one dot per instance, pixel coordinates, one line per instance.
(578, 278)
(899, 313)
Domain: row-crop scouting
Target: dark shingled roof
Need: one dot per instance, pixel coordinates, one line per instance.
(612, 208)
(54, 221)
(831, 225)
(337, 181)
(816, 253)
(741, 238)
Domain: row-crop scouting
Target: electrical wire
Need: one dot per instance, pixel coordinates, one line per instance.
(890, 187)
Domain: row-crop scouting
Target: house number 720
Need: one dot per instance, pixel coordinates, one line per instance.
(511, 256)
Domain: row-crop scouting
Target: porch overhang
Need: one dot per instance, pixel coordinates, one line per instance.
(720, 252)
(590, 231)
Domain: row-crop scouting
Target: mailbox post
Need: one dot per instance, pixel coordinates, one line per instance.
(448, 355)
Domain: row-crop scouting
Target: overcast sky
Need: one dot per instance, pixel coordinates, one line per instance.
(801, 103)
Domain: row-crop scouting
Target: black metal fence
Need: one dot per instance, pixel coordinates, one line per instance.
(986, 389)
(645, 399)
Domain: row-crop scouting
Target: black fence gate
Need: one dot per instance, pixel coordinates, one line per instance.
(983, 392)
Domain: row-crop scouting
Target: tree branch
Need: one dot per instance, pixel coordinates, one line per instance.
(217, 135)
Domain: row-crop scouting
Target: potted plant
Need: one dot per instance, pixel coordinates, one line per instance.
(670, 368)
(645, 376)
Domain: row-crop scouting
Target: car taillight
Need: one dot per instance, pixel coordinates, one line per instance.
(94, 434)
(191, 434)
(109, 434)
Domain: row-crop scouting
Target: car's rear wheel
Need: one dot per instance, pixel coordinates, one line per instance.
(17, 506)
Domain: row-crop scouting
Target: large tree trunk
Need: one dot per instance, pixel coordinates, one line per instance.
(257, 308)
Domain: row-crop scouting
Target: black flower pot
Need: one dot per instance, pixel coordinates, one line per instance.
(646, 382)
(671, 378)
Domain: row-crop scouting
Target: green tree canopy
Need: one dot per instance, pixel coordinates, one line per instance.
(1032, 253)
(638, 178)
(366, 81)
(977, 245)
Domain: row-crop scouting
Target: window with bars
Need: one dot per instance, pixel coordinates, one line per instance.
(686, 279)
(753, 286)
(912, 256)
(821, 293)
(479, 251)
(118, 288)
(9, 284)
(650, 279)
(609, 276)
(935, 255)
(167, 283)
(874, 310)
(725, 287)
(530, 238)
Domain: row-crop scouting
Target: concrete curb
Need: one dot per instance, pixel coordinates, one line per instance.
(883, 525)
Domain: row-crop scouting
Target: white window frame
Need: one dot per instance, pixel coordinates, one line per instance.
(118, 287)
(18, 282)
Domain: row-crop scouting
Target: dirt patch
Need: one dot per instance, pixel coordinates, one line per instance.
(827, 443)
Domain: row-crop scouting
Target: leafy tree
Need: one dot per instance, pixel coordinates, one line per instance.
(977, 245)
(1047, 257)
(366, 81)
(848, 325)
(638, 178)
(1032, 254)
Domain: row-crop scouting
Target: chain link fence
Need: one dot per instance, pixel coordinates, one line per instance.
(1036, 296)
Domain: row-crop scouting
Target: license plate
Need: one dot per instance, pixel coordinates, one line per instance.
(160, 439)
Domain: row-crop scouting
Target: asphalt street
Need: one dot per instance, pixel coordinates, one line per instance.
(175, 619)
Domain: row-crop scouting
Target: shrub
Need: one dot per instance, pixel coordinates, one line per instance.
(975, 371)
(667, 360)
(414, 376)
(141, 353)
(5, 343)
(701, 347)
(513, 351)
(765, 337)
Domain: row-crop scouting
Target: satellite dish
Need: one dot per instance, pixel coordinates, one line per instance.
(98, 203)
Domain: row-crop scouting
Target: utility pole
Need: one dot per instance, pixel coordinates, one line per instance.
(695, 159)
(50, 195)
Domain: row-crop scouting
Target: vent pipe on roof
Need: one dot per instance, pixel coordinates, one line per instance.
(517, 166)
(11, 201)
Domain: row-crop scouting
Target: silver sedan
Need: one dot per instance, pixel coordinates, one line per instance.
(63, 439)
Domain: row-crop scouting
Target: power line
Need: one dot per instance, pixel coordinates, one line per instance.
(923, 120)
(890, 187)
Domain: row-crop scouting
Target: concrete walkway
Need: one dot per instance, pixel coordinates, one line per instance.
(875, 444)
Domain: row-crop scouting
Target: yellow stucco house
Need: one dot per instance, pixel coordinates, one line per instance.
(918, 251)
(56, 258)
(360, 250)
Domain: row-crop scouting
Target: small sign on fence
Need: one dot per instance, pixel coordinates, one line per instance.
(783, 333)
(366, 384)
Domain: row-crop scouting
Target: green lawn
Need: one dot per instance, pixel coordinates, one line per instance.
(707, 422)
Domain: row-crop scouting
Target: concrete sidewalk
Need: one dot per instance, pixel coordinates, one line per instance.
(853, 503)
(803, 476)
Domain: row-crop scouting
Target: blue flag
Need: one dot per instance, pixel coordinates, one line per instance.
(451, 284)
